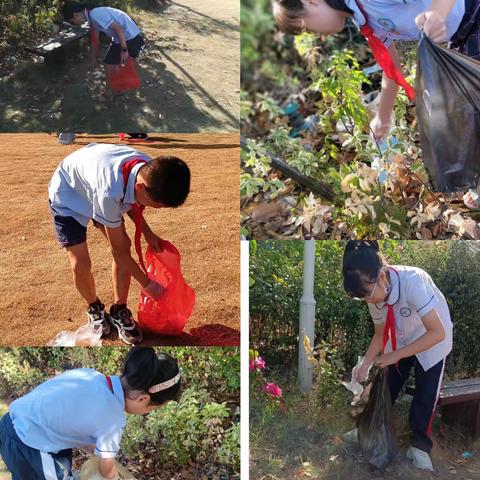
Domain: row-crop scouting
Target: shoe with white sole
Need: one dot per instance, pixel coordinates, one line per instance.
(96, 316)
(128, 330)
(420, 459)
(351, 436)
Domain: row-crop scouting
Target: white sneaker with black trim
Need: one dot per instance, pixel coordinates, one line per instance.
(128, 330)
(420, 458)
(96, 316)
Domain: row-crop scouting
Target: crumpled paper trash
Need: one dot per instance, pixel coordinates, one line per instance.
(355, 387)
(88, 335)
(89, 471)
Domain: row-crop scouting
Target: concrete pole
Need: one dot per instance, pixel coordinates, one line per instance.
(307, 316)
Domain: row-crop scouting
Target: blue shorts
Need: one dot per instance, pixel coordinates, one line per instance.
(25, 462)
(69, 231)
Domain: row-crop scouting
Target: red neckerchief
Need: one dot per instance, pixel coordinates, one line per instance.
(91, 33)
(389, 331)
(137, 209)
(382, 56)
(109, 382)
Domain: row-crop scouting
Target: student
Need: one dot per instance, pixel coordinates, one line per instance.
(457, 21)
(126, 39)
(102, 182)
(83, 408)
(411, 318)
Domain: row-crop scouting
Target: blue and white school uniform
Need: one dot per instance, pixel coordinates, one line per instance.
(88, 185)
(101, 19)
(395, 19)
(413, 295)
(73, 410)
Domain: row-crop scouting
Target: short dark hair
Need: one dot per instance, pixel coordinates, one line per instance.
(70, 7)
(168, 180)
(144, 368)
(362, 262)
(290, 13)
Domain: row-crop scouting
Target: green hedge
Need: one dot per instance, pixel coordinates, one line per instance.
(276, 288)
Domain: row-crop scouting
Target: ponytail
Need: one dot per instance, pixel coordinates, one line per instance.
(362, 263)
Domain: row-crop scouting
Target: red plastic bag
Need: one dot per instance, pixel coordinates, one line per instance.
(168, 315)
(124, 78)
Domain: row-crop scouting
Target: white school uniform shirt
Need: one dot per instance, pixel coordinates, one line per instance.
(72, 410)
(395, 19)
(413, 295)
(88, 184)
(101, 18)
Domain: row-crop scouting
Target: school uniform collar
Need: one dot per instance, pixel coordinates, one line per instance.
(118, 390)
(129, 197)
(358, 17)
(394, 296)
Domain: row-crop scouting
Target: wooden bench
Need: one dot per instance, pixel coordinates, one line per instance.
(53, 50)
(460, 402)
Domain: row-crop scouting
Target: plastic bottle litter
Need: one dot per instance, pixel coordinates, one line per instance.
(88, 335)
(381, 166)
(467, 455)
(298, 122)
(89, 471)
(66, 138)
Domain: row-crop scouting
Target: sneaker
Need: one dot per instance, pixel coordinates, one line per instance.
(351, 437)
(96, 315)
(420, 458)
(128, 331)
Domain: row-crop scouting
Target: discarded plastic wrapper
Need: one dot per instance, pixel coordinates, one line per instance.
(355, 387)
(88, 335)
(169, 314)
(448, 111)
(376, 430)
(90, 471)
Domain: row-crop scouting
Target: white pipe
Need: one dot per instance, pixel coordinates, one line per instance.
(307, 317)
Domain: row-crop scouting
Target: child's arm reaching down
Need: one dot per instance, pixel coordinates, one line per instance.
(383, 120)
(107, 469)
(120, 245)
(123, 42)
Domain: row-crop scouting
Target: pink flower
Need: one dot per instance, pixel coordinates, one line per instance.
(257, 363)
(273, 389)
(260, 363)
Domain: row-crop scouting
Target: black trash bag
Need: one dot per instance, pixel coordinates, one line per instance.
(447, 98)
(376, 431)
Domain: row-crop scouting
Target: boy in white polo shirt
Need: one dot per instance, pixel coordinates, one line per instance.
(102, 182)
(126, 38)
(412, 329)
(83, 408)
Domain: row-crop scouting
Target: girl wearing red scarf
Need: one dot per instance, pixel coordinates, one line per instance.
(413, 329)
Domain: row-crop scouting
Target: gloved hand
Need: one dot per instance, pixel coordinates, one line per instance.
(433, 24)
(154, 290)
(360, 373)
(380, 128)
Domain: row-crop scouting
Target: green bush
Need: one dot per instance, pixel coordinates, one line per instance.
(200, 427)
(276, 270)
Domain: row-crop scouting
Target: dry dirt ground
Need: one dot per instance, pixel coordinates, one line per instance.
(38, 296)
(190, 75)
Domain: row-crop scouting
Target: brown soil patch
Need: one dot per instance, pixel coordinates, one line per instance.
(38, 296)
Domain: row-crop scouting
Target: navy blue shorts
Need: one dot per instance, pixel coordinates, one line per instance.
(134, 46)
(68, 230)
(25, 462)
